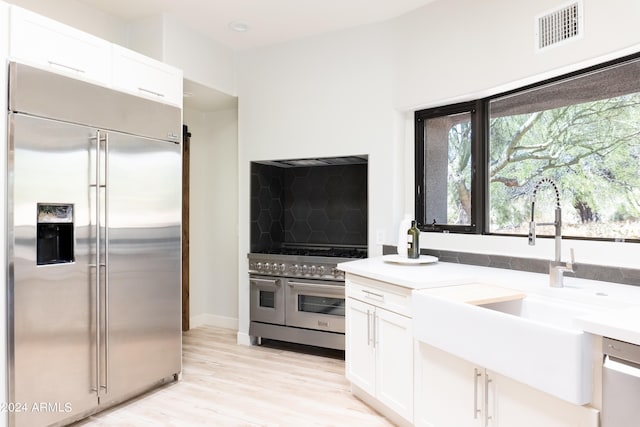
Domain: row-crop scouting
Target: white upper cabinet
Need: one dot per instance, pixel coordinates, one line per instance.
(45, 43)
(42, 42)
(141, 75)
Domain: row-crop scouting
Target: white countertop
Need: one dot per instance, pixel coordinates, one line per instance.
(618, 316)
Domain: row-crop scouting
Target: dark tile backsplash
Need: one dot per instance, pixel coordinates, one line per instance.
(267, 221)
(627, 276)
(308, 205)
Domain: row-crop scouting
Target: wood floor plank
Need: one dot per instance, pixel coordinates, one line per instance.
(229, 385)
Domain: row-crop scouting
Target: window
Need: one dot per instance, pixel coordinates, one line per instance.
(582, 131)
(447, 181)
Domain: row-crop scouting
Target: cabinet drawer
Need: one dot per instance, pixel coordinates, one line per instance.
(385, 295)
(45, 43)
(144, 76)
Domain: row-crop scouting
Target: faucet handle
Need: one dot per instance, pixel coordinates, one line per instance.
(573, 259)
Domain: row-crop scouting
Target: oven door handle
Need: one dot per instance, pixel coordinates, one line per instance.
(264, 283)
(312, 286)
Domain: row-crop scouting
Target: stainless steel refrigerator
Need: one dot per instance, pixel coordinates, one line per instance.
(94, 228)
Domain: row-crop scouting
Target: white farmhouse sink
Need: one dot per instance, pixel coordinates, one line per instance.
(531, 340)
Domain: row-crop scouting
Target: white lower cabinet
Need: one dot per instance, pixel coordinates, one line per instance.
(447, 390)
(379, 351)
(360, 354)
(394, 362)
(451, 392)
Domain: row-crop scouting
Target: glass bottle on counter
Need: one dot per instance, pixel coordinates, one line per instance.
(413, 241)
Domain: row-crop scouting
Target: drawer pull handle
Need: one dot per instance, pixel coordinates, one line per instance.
(368, 327)
(141, 89)
(487, 417)
(373, 295)
(57, 64)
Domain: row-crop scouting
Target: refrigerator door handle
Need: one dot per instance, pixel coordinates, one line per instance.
(106, 263)
(99, 138)
(96, 265)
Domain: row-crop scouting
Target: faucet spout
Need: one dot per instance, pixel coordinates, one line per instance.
(556, 268)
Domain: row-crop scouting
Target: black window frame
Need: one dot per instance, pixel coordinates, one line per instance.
(479, 109)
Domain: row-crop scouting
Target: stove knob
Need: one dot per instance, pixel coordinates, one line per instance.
(259, 266)
(321, 270)
(252, 266)
(267, 266)
(283, 268)
(294, 268)
(305, 269)
(313, 269)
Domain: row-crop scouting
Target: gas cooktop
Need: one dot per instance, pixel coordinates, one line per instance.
(338, 252)
(309, 262)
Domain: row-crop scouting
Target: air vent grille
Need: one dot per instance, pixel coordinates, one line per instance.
(559, 25)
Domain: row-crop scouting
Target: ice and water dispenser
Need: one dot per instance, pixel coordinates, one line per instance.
(55, 234)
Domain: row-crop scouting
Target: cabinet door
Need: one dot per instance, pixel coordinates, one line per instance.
(448, 390)
(516, 404)
(359, 350)
(394, 362)
(144, 76)
(48, 44)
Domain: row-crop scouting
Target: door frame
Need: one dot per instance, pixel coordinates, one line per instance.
(186, 136)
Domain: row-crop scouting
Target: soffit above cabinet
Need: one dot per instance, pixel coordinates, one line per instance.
(203, 98)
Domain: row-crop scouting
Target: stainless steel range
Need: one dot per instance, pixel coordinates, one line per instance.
(307, 216)
(297, 294)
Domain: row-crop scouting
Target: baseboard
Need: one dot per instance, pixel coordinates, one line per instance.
(244, 338)
(213, 320)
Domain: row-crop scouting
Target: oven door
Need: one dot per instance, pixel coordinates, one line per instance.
(267, 300)
(315, 305)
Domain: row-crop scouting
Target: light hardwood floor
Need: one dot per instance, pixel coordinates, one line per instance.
(225, 384)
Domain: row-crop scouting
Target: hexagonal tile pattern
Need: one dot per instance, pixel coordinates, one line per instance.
(308, 205)
(267, 219)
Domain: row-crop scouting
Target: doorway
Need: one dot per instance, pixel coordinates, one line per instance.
(186, 137)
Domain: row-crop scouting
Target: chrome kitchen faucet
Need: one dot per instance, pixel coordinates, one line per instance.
(556, 267)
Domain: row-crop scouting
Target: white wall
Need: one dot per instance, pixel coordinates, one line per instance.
(463, 49)
(213, 217)
(146, 35)
(203, 60)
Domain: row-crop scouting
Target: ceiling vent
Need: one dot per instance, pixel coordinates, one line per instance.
(559, 25)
